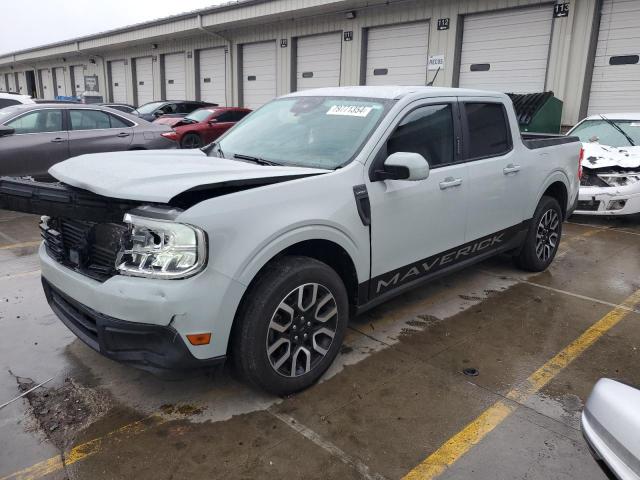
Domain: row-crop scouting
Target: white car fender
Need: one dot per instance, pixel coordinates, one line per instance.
(300, 233)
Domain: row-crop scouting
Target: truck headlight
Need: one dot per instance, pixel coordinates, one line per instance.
(161, 249)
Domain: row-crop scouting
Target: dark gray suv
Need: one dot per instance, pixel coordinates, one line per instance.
(34, 137)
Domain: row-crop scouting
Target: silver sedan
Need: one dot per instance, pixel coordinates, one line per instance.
(35, 137)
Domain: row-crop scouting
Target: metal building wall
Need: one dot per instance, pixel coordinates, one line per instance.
(288, 19)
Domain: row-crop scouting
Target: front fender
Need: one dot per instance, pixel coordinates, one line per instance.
(283, 240)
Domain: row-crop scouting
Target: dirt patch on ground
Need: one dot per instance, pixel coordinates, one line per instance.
(61, 412)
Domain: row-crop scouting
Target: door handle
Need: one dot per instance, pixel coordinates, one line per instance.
(511, 168)
(123, 134)
(450, 182)
(58, 140)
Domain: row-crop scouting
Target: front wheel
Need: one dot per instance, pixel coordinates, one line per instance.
(543, 238)
(290, 325)
(191, 140)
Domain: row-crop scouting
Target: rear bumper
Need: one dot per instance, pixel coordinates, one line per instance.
(153, 348)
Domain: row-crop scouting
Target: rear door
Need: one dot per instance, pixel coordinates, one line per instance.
(497, 175)
(93, 131)
(413, 223)
(39, 141)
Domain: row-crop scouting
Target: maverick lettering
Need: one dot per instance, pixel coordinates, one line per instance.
(436, 263)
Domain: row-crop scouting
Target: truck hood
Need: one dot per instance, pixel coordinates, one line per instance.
(159, 176)
(603, 156)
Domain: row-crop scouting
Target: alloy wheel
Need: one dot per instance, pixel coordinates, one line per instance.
(547, 235)
(302, 329)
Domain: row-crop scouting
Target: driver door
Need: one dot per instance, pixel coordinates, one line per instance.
(415, 223)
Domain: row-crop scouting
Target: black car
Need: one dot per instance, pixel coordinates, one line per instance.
(152, 110)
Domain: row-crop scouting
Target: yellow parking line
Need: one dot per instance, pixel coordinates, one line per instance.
(20, 245)
(463, 441)
(84, 450)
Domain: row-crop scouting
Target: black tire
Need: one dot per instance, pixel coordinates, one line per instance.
(191, 140)
(262, 309)
(545, 230)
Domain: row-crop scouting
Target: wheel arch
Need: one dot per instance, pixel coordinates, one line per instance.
(323, 243)
(327, 250)
(556, 186)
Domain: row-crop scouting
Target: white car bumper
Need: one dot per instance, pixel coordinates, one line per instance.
(609, 200)
(145, 321)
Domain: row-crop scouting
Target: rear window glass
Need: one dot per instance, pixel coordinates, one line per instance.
(488, 127)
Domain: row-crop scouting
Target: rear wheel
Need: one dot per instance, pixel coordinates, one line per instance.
(291, 325)
(191, 140)
(543, 238)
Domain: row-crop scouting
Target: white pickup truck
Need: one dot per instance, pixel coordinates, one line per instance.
(314, 208)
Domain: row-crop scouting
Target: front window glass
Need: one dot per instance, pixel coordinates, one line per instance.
(149, 107)
(428, 131)
(40, 121)
(199, 115)
(604, 133)
(320, 132)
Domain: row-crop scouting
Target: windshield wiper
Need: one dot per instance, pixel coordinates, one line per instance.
(617, 127)
(259, 161)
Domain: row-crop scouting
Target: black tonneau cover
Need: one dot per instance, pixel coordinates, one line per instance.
(540, 140)
(59, 200)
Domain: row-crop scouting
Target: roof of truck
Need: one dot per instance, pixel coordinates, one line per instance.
(394, 92)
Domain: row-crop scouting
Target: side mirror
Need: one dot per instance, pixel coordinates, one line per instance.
(213, 120)
(4, 131)
(158, 113)
(404, 166)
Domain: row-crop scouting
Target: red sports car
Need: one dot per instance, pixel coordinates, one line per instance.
(203, 126)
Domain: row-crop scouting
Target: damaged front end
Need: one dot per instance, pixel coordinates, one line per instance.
(100, 237)
(609, 191)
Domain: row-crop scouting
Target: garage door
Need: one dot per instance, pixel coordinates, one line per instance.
(258, 73)
(212, 77)
(77, 79)
(11, 82)
(175, 84)
(397, 54)
(318, 61)
(615, 86)
(144, 80)
(22, 83)
(63, 84)
(46, 83)
(118, 81)
(506, 51)
(3, 83)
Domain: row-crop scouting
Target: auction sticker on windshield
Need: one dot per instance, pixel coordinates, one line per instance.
(350, 110)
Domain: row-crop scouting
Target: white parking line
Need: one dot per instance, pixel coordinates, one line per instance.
(309, 434)
(599, 227)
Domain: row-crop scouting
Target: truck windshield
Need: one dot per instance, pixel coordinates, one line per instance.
(318, 132)
(604, 133)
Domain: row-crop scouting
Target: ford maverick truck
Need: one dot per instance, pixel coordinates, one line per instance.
(312, 209)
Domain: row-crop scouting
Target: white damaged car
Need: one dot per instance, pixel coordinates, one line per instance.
(610, 183)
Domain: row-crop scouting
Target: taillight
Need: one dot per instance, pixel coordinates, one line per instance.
(170, 135)
(580, 158)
